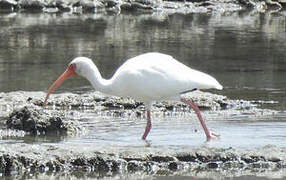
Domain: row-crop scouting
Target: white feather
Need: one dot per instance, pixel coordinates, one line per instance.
(148, 77)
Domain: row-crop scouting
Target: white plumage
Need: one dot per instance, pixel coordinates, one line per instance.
(148, 77)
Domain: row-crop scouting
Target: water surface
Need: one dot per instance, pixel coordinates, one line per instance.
(245, 51)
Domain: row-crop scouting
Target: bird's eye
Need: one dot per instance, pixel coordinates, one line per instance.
(73, 66)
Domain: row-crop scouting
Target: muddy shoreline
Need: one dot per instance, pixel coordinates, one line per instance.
(117, 7)
(90, 161)
(19, 160)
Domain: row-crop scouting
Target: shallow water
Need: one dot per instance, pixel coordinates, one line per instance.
(237, 132)
(245, 51)
(178, 130)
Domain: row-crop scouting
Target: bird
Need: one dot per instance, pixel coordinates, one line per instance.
(148, 77)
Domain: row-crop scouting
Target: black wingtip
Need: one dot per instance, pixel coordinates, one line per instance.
(191, 90)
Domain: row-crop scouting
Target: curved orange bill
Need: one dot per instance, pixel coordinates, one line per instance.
(69, 72)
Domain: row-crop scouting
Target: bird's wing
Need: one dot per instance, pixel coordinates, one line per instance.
(157, 76)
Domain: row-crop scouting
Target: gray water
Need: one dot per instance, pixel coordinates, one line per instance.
(245, 51)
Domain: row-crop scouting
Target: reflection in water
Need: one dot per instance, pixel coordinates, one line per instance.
(31, 139)
(237, 131)
(244, 51)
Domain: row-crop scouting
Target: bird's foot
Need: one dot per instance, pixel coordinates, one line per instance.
(147, 143)
(212, 136)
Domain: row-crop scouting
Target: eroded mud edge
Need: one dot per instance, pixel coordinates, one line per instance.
(96, 101)
(23, 111)
(117, 7)
(88, 160)
(91, 161)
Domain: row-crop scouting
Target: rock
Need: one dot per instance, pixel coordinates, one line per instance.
(50, 10)
(161, 158)
(39, 159)
(32, 4)
(169, 7)
(187, 158)
(97, 101)
(140, 6)
(213, 165)
(9, 133)
(8, 4)
(89, 5)
(173, 166)
(63, 6)
(36, 121)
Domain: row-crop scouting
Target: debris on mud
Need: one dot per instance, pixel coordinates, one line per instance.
(35, 121)
(100, 102)
(116, 6)
(23, 112)
(111, 161)
(63, 107)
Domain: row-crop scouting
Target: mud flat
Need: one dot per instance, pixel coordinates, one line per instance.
(20, 160)
(115, 6)
(14, 101)
(22, 114)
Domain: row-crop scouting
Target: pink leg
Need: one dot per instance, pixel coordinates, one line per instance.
(197, 111)
(148, 125)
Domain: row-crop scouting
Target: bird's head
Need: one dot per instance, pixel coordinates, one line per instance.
(81, 66)
(78, 66)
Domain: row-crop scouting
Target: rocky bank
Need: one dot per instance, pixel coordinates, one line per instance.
(20, 160)
(119, 6)
(22, 114)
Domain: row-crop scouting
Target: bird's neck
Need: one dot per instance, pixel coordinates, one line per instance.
(98, 82)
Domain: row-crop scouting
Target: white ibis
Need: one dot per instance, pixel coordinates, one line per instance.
(148, 77)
